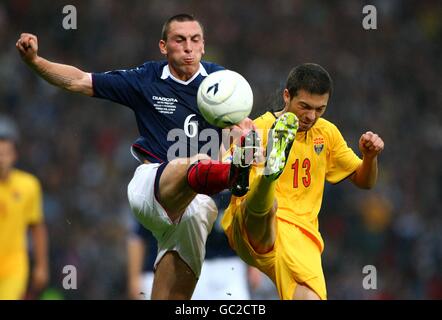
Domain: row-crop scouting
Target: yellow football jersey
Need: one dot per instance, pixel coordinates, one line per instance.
(20, 206)
(317, 155)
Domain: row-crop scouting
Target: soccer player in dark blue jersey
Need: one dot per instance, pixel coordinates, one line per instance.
(169, 193)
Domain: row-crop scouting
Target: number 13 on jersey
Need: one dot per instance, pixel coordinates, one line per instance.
(305, 173)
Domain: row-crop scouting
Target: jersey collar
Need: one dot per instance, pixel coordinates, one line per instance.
(167, 74)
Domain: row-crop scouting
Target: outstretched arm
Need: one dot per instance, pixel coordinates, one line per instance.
(60, 75)
(370, 145)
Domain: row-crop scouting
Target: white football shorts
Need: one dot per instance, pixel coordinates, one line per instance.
(187, 236)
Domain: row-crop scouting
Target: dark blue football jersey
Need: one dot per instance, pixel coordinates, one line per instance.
(165, 108)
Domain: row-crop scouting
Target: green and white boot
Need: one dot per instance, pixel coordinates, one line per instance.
(281, 138)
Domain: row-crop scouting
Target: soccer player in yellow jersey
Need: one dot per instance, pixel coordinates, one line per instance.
(20, 209)
(275, 226)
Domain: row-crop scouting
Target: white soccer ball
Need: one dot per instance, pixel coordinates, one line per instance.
(224, 98)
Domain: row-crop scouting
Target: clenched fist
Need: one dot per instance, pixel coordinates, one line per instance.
(27, 46)
(370, 144)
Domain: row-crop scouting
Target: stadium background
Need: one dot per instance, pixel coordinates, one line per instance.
(386, 80)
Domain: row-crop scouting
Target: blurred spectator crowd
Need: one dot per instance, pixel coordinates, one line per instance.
(386, 80)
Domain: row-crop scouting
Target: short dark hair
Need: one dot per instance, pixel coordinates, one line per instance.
(182, 17)
(310, 77)
(8, 130)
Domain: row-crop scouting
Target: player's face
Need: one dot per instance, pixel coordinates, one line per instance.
(308, 107)
(7, 156)
(184, 48)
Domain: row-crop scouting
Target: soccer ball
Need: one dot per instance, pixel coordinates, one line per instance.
(224, 98)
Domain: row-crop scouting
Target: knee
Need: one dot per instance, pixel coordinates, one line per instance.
(198, 157)
(274, 207)
(303, 292)
(248, 209)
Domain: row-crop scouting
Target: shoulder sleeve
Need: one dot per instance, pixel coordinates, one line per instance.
(34, 206)
(121, 86)
(217, 67)
(341, 160)
(211, 67)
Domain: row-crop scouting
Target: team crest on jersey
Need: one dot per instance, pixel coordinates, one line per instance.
(318, 144)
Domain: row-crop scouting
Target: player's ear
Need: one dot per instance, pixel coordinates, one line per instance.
(162, 46)
(204, 50)
(286, 96)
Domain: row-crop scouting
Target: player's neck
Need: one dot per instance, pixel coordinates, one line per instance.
(4, 175)
(279, 113)
(183, 75)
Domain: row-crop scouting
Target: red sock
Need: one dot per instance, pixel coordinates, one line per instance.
(208, 176)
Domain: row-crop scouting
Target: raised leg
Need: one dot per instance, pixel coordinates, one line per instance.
(261, 205)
